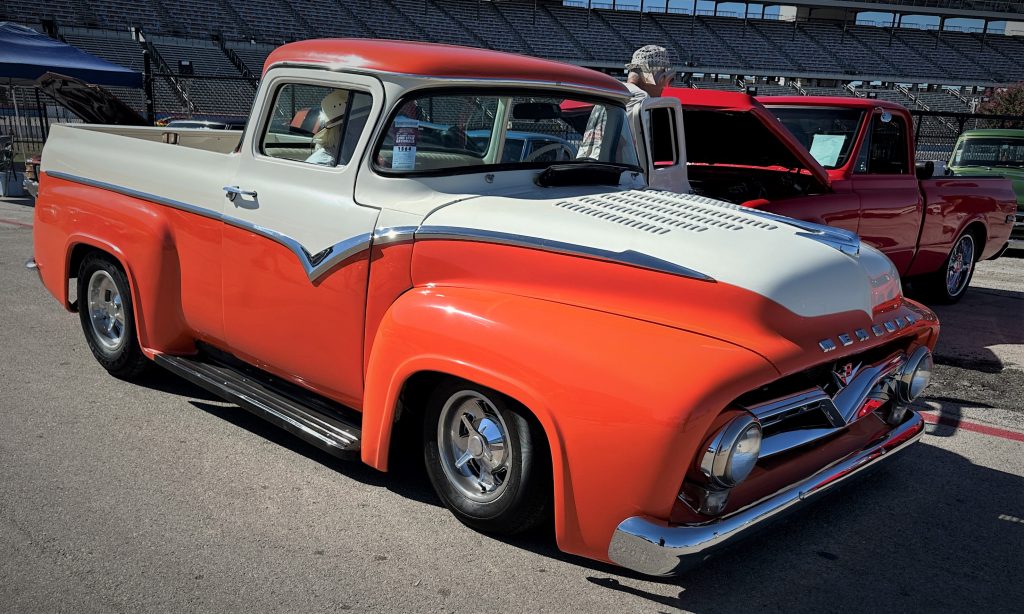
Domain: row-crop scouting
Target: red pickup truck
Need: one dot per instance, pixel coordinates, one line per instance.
(845, 162)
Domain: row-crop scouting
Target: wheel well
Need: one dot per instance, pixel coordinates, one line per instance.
(977, 231)
(78, 254)
(412, 404)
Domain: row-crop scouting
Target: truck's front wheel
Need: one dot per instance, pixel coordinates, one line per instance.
(108, 319)
(487, 460)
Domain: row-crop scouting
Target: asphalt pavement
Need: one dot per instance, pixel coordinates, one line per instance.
(156, 497)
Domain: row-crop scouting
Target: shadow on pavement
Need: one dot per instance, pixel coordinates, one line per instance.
(406, 476)
(984, 318)
(930, 532)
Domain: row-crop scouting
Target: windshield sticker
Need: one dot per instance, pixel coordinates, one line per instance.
(407, 132)
(826, 148)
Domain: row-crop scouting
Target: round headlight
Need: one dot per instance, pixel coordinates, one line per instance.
(915, 375)
(732, 452)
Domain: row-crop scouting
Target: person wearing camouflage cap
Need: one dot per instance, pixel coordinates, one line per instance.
(649, 73)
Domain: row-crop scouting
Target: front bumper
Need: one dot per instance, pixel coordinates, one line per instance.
(654, 547)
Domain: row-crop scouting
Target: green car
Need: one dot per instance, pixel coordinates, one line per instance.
(994, 152)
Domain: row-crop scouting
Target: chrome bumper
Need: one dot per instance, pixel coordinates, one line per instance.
(657, 548)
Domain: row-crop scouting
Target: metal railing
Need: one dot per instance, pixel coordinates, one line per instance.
(936, 132)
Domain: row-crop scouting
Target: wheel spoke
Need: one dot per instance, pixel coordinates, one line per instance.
(462, 460)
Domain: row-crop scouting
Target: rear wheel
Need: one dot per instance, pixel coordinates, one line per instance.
(949, 284)
(108, 319)
(486, 459)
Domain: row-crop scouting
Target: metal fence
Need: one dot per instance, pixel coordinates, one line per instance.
(27, 115)
(936, 132)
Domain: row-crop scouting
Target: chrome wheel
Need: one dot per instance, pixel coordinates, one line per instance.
(106, 311)
(471, 442)
(960, 265)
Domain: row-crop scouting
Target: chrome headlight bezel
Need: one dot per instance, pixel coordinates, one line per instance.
(915, 375)
(717, 463)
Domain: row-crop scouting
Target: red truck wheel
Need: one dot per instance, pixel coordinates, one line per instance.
(487, 461)
(107, 316)
(949, 284)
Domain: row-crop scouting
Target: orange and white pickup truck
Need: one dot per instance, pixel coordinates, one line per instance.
(658, 374)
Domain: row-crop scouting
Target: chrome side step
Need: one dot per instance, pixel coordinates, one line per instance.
(319, 421)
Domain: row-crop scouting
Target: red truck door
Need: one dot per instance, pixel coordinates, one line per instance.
(296, 259)
(883, 176)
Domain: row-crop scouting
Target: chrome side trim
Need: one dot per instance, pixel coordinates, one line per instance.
(652, 546)
(394, 234)
(314, 267)
(627, 257)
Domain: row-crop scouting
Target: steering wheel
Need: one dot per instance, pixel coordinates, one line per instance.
(560, 147)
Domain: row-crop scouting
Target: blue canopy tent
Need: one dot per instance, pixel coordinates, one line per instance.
(71, 77)
(26, 55)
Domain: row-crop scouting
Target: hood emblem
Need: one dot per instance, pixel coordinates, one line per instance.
(860, 335)
(845, 373)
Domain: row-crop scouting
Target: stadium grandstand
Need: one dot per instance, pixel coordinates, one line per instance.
(208, 54)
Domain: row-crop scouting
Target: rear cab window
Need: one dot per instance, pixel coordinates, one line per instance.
(315, 124)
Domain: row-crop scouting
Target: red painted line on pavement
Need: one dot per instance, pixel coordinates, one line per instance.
(15, 223)
(973, 426)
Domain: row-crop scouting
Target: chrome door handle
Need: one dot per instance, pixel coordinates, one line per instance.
(233, 192)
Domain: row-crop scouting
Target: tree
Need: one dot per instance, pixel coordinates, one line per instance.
(1008, 101)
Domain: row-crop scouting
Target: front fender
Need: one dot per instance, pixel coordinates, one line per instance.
(624, 403)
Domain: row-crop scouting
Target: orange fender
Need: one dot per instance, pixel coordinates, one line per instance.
(625, 404)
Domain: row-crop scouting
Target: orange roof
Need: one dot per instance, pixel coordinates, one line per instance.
(432, 60)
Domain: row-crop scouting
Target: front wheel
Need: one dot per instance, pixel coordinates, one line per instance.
(108, 318)
(949, 284)
(486, 459)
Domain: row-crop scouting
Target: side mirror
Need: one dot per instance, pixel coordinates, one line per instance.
(886, 117)
(925, 170)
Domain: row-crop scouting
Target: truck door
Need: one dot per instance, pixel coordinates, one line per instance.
(295, 243)
(892, 207)
(661, 145)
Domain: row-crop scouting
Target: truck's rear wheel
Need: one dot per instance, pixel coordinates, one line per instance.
(108, 319)
(487, 460)
(949, 284)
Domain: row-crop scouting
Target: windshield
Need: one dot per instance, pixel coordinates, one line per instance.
(828, 134)
(994, 151)
(439, 133)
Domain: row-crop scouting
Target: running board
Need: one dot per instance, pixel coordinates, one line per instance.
(327, 425)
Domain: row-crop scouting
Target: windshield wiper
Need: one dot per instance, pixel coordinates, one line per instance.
(583, 173)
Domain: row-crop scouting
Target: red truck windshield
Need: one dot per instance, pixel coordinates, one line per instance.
(829, 134)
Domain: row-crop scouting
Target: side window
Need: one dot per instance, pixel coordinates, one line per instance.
(315, 124)
(662, 123)
(885, 150)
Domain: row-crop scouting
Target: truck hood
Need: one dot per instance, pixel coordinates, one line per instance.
(92, 103)
(731, 128)
(808, 270)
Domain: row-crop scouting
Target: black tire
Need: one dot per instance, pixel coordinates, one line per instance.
(937, 286)
(525, 490)
(122, 359)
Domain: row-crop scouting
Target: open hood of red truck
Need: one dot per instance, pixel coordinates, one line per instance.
(734, 129)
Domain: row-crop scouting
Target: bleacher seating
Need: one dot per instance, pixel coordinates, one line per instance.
(601, 37)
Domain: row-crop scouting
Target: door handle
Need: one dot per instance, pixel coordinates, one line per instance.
(233, 192)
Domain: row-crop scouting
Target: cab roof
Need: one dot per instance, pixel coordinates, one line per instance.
(996, 132)
(439, 61)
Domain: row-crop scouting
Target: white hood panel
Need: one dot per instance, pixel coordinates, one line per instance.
(778, 258)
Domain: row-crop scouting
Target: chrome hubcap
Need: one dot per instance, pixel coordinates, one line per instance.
(961, 261)
(106, 312)
(471, 440)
